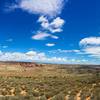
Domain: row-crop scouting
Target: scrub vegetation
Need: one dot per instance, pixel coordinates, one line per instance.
(30, 81)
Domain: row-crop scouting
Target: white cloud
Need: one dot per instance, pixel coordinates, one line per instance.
(43, 19)
(36, 57)
(90, 41)
(44, 22)
(43, 35)
(93, 51)
(31, 53)
(56, 30)
(58, 22)
(54, 26)
(48, 8)
(57, 60)
(51, 26)
(50, 44)
(91, 46)
(64, 51)
(43, 7)
(40, 36)
(18, 56)
(54, 37)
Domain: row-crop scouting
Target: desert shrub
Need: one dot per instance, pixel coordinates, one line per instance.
(36, 94)
(12, 98)
(60, 96)
(43, 97)
(96, 94)
(49, 94)
(25, 97)
(51, 83)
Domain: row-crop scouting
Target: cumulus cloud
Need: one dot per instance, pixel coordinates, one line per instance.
(18, 56)
(31, 53)
(93, 51)
(90, 41)
(58, 22)
(54, 26)
(42, 7)
(48, 26)
(50, 44)
(91, 46)
(35, 56)
(48, 10)
(43, 35)
(43, 19)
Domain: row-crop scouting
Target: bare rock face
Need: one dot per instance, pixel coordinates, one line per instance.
(22, 64)
(17, 66)
(28, 64)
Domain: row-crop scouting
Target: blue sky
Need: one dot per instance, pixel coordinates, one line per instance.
(54, 31)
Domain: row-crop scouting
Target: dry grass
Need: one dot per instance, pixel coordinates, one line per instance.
(49, 82)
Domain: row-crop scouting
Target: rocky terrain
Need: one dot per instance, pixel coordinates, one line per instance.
(32, 81)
